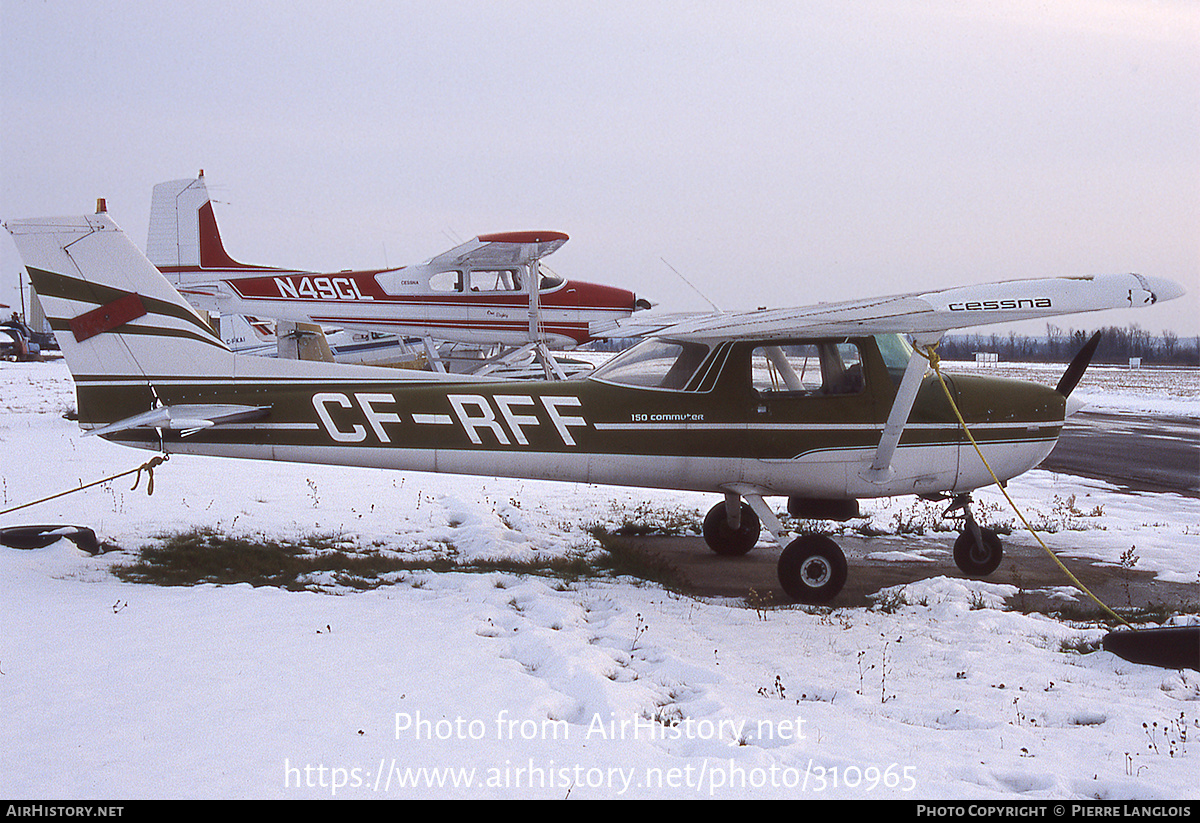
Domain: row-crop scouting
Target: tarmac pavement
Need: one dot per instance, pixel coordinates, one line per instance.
(1141, 453)
(879, 562)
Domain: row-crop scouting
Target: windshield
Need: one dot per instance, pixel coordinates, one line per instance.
(896, 352)
(654, 364)
(549, 279)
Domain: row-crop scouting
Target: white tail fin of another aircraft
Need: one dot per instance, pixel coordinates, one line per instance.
(174, 237)
(248, 335)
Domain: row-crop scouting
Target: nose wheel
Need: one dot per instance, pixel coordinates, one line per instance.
(977, 551)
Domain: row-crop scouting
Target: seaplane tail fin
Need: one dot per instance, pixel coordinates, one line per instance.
(183, 233)
(174, 237)
(114, 314)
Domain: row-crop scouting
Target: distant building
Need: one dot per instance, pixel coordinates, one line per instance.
(986, 358)
(37, 318)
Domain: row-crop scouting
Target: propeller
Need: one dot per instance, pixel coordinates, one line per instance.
(1074, 372)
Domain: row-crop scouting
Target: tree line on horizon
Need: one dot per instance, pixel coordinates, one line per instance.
(1117, 345)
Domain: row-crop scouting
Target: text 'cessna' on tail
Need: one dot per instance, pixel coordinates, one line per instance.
(822, 405)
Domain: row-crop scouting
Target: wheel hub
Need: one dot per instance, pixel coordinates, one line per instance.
(815, 571)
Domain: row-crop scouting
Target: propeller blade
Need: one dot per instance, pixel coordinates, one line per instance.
(1074, 372)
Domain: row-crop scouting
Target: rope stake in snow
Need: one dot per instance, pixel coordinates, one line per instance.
(931, 355)
(148, 466)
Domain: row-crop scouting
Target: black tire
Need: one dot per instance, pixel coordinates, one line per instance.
(724, 540)
(976, 561)
(812, 569)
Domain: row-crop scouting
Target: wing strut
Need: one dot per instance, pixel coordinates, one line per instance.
(753, 496)
(533, 279)
(906, 395)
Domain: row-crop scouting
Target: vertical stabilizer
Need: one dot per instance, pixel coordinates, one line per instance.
(113, 313)
(174, 237)
(248, 335)
(183, 234)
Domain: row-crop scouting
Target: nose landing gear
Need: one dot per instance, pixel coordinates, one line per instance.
(977, 551)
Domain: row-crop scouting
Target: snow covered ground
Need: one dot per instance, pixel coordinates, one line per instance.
(1108, 388)
(502, 685)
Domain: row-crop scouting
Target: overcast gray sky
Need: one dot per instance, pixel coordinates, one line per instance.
(774, 153)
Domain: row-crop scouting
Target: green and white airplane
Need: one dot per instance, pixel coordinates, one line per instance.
(822, 405)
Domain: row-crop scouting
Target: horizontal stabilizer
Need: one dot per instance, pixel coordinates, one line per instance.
(186, 417)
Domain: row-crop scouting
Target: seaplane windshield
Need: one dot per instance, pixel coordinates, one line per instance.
(654, 364)
(549, 280)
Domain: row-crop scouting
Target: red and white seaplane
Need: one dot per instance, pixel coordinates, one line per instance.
(489, 296)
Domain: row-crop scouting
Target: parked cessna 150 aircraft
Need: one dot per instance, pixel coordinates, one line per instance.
(479, 293)
(823, 405)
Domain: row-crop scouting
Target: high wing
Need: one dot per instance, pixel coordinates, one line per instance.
(925, 316)
(501, 249)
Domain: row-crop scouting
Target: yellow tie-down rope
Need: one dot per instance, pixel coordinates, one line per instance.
(148, 466)
(931, 355)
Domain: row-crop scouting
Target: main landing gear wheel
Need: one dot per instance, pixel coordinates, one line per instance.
(812, 569)
(727, 541)
(981, 557)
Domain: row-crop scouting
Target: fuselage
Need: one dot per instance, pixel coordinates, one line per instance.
(792, 417)
(463, 306)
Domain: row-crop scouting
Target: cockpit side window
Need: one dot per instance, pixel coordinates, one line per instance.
(819, 368)
(654, 364)
(416, 280)
(495, 280)
(446, 281)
